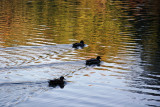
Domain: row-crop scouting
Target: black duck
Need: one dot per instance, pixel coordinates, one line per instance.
(57, 82)
(79, 45)
(93, 61)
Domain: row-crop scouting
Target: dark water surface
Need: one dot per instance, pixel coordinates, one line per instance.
(36, 39)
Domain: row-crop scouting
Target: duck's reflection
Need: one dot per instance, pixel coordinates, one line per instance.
(57, 82)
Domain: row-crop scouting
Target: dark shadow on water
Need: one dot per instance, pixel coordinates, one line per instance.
(147, 37)
(21, 83)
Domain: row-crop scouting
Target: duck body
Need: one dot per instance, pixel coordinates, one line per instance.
(93, 61)
(57, 82)
(77, 45)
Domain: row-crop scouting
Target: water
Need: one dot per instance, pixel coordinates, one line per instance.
(36, 39)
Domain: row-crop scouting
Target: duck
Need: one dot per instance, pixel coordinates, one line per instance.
(93, 61)
(57, 82)
(77, 45)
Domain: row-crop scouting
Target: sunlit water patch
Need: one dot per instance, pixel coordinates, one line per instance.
(28, 69)
(31, 55)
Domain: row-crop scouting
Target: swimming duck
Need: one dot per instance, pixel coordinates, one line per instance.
(57, 82)
(93, 61)
(77, 45)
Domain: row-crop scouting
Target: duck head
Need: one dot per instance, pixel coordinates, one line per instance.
(98, 58)
(82, 41)
(61, 78)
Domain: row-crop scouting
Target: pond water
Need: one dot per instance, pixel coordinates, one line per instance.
(36, 38)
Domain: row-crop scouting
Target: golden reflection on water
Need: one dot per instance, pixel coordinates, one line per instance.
(39, 19)
(101, 24)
